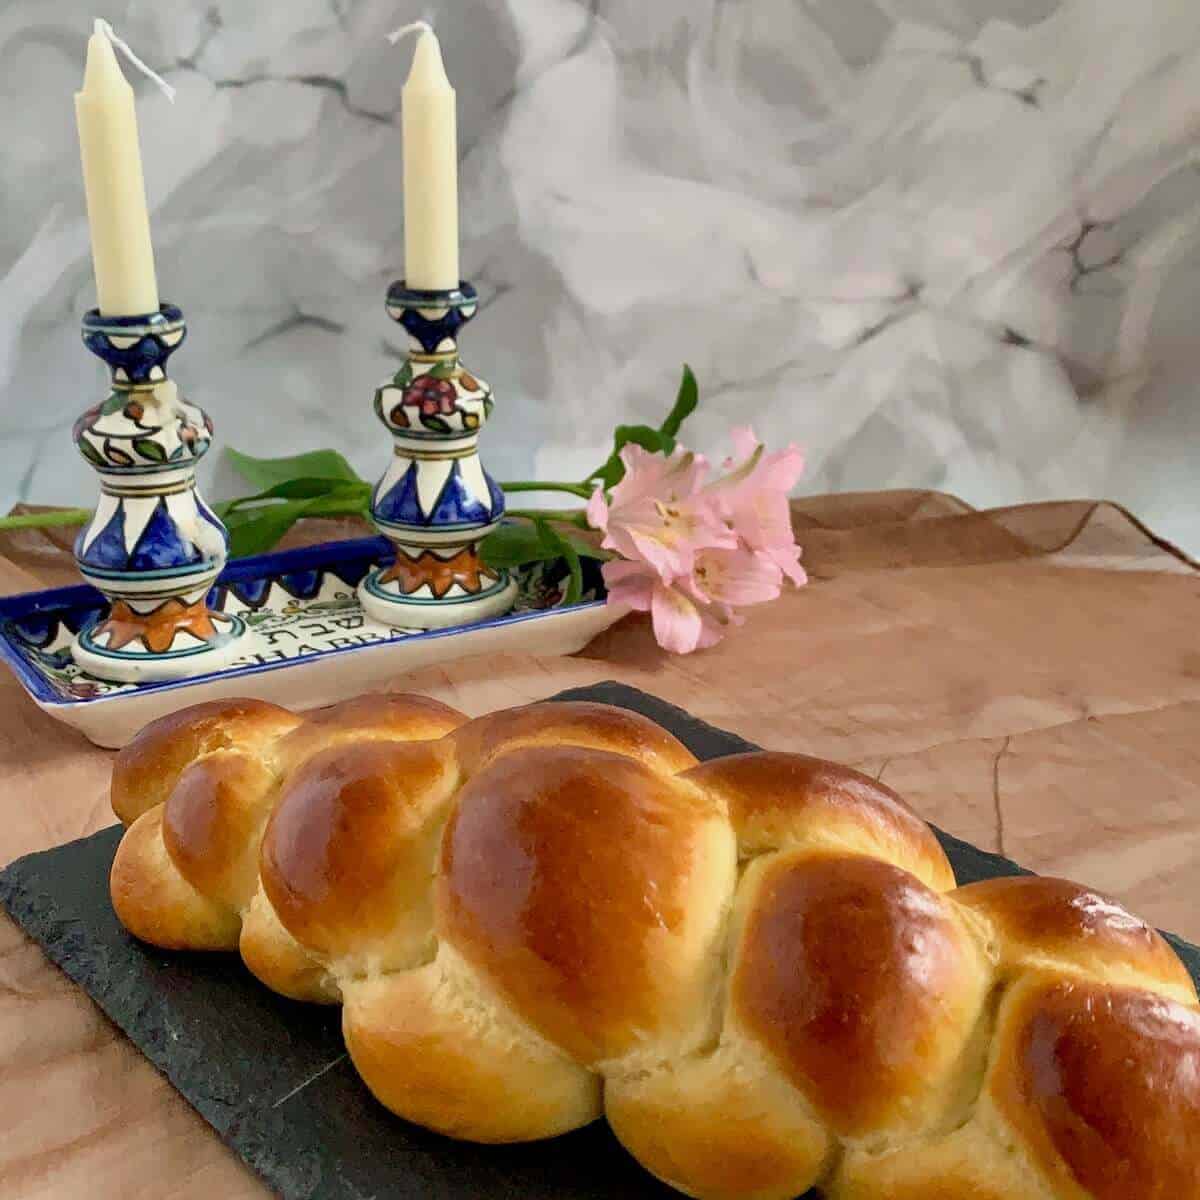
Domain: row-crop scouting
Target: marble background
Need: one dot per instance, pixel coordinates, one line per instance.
(940, 243)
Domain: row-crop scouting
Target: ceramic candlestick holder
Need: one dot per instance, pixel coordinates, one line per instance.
(435, 501)
(153, 547)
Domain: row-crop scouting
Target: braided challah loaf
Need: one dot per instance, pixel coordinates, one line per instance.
(758, 968)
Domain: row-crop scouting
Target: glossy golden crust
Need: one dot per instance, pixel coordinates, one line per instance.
(1038, 921)
(1103, 1085)
(757, 967)
(378, 717)
(571, 723)
(590, 890)
(146, 770)
(349, 850)
(212, 822)
(862, 983)
(783, 801)
(154, 901)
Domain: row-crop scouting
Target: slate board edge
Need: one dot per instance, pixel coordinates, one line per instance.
(18, 899)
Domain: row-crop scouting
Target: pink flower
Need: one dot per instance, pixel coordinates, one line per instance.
(753, 500)
(693, 553)
(659, 513)
(680, 625)
(695, 611)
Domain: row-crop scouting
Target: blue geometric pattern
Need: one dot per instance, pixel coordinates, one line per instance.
(38, 629)
(161, 545)
(353, 573)
(430, 332)
(458, 506)
(497, 497)
(456, 503)
(108, 548)
(251, 592)
(148, 352)
(400, 506)
(304, 585)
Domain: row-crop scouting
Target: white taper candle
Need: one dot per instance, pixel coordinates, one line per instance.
(430, 170)
(122, 254)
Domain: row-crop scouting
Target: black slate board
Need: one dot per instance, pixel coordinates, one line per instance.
(271, 1076)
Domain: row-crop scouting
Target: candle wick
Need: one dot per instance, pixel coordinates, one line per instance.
(102, 26)
(411, 27)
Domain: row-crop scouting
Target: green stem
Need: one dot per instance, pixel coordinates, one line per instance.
(571, 516)
(68, 516)
(537, 485)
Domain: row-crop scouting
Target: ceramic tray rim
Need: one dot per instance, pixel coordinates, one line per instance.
(281, 562)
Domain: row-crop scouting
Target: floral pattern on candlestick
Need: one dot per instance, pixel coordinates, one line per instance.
(435, 501)
(153, 547)
(132, 428)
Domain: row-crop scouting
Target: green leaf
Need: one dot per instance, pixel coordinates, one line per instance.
(306, 488)
(586, 549)
(554, 541)
(657, 441)
(267, 472)
(685, 404)
(404, 376)
(443, 370)
(150, 449)
(115, 402)
(513, 545)
(344, 504)
(435, 423)
(253, 531)
(519, 544)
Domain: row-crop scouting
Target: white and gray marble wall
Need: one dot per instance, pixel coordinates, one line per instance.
(940, 243)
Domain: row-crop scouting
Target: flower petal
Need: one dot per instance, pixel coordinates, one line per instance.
(745, 442)
(712, 631)
(676, 620)
(686, 474)
(738, 577)
(643, 475)
(598, 510)
(669, 559)
(630, 584)
(787, 559)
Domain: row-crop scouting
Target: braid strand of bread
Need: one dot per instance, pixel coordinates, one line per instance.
(758, 968)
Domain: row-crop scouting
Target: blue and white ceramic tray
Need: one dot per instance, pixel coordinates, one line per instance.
(309, 643)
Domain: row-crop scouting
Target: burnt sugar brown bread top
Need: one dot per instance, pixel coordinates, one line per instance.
(759, 968)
